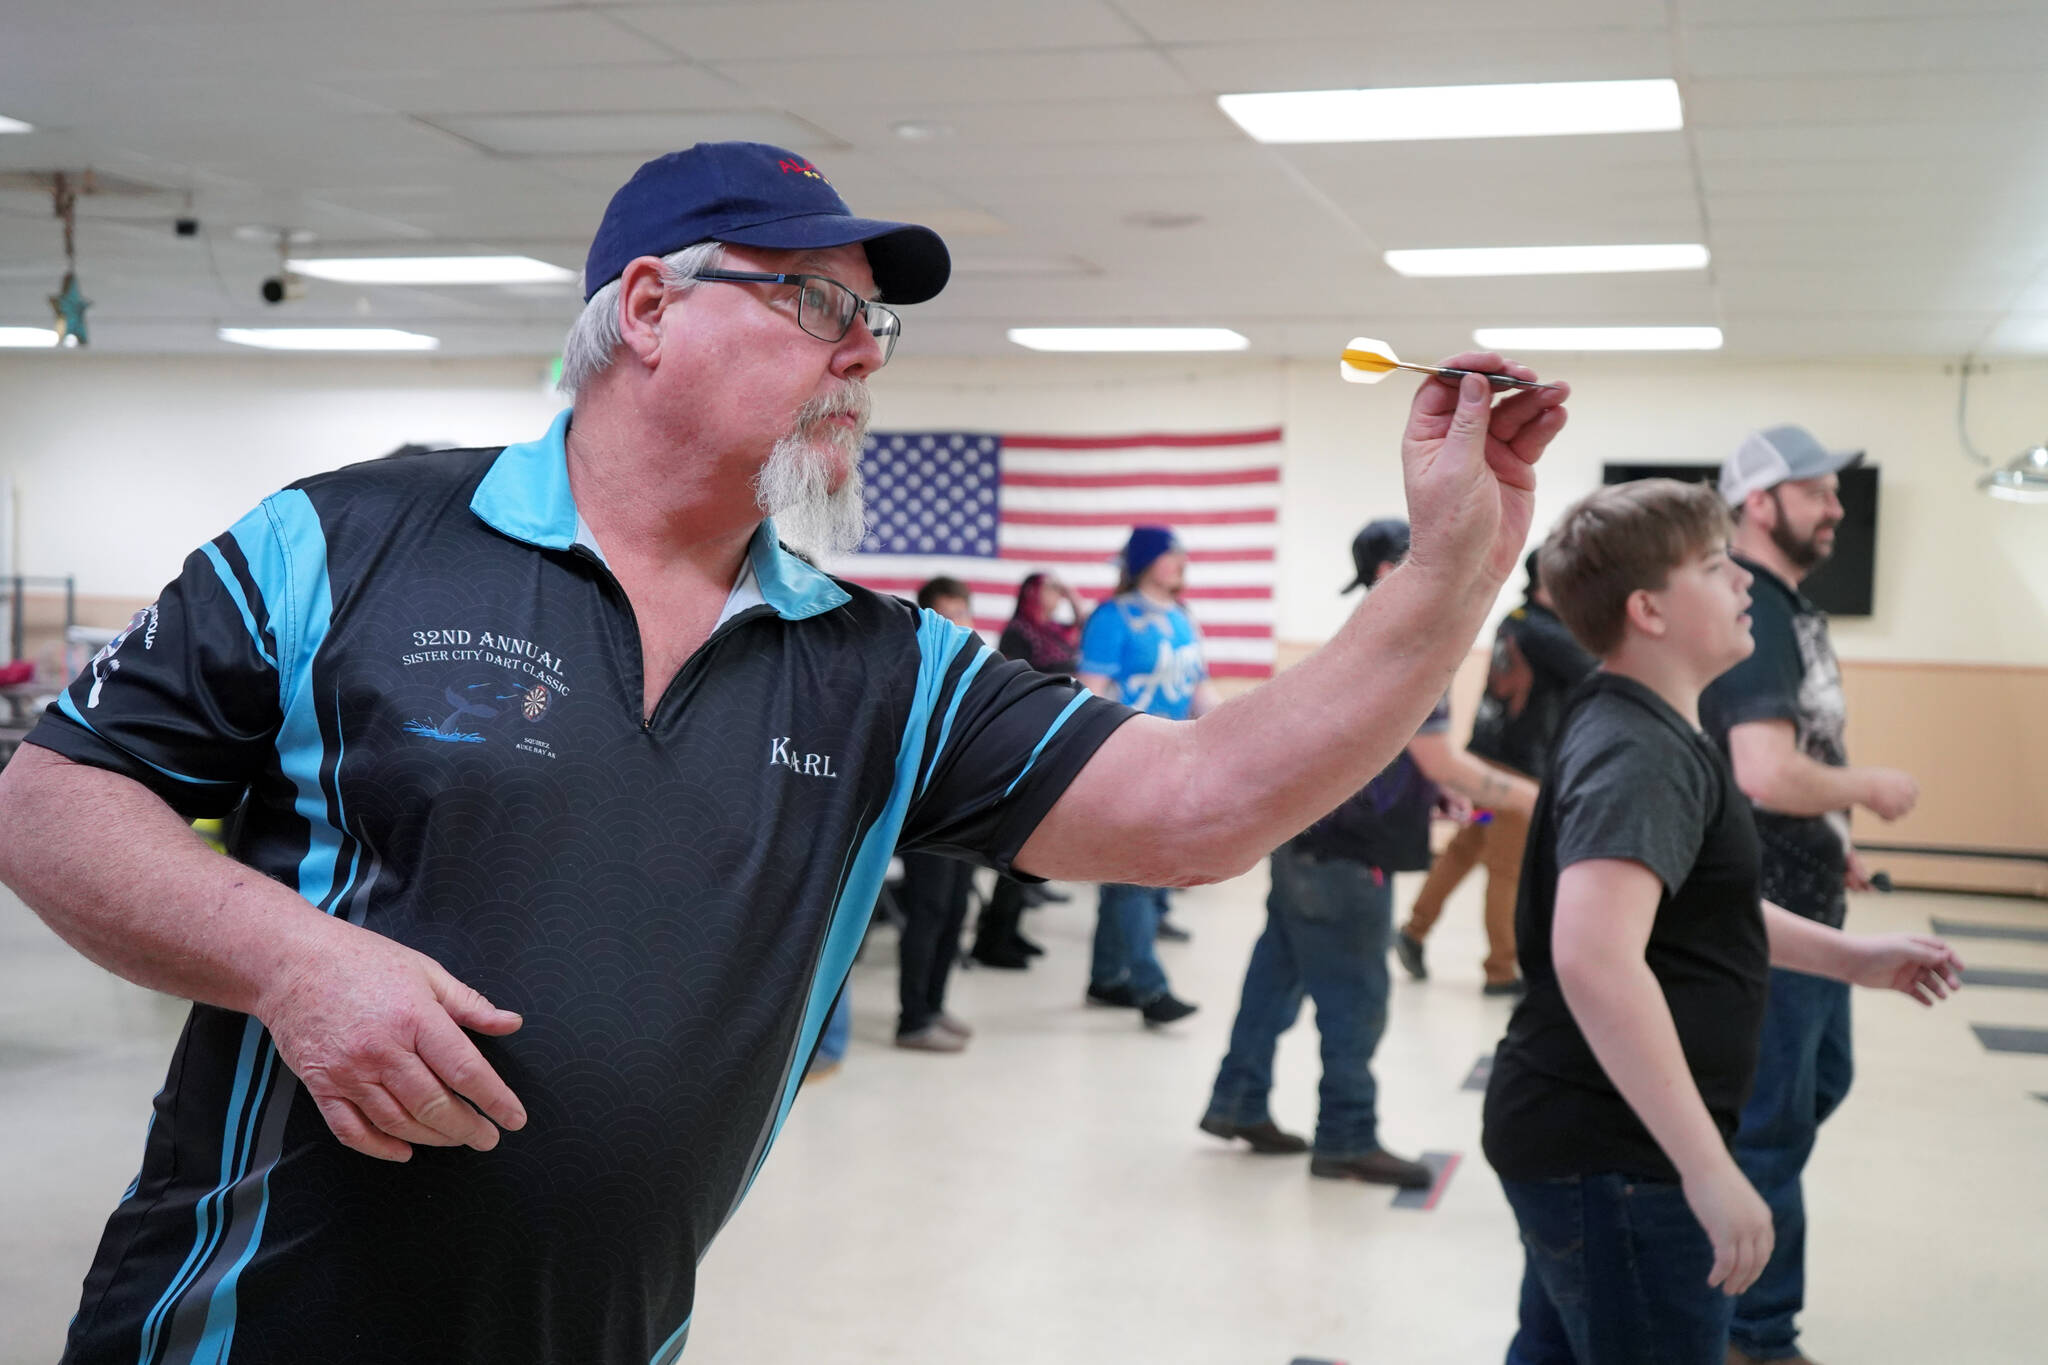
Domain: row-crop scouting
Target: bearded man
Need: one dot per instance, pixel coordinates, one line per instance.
(1780, 716)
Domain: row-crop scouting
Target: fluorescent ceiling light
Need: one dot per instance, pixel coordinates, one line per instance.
(1546, 260)
(329, 338)
(1420, 113)
(433, 270)
(1128, 339)
(1599, 338)
(27, 336)
(15, 125)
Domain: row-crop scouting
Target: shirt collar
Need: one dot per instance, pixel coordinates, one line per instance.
(525, 494)
(1764, 575)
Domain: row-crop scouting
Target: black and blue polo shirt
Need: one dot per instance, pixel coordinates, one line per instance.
(419, 687)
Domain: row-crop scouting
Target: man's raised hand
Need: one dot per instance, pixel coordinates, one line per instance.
(1469, 467)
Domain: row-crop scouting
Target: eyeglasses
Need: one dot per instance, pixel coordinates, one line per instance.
(825, 308)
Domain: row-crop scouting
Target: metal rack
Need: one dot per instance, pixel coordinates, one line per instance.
(18, 586)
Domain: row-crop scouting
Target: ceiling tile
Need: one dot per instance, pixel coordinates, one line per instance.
(1232, 21)
(1097, 73)
(837, 30)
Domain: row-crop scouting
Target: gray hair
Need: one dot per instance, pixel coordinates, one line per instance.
(595, 337)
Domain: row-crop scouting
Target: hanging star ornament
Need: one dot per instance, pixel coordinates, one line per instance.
(69, 305)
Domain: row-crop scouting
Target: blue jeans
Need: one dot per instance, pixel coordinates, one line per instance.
(1615, 1274)
(1126, 924)
(1804, 1067)
(1326, 937)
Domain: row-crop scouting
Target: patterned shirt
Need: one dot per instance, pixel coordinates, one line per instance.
(418, 686)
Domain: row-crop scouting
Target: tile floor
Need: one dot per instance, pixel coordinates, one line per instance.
(1046, 1197)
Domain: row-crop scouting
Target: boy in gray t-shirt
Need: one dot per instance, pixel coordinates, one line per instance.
(1646, 949)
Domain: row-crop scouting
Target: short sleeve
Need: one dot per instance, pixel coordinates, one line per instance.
(1630, 792)
(1002, 742)
(185, 700)
(1765, 686)
(1103, 641)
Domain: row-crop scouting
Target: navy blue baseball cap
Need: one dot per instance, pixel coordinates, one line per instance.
(1146, 545)
(751, 194)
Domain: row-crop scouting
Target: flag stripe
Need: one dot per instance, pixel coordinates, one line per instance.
(1141, 460)
(1180, 440)
(1171, 504)
(1144, 479)
(1249, 555)
(1149, 517)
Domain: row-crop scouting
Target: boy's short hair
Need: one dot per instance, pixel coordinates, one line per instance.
(1621, 539)
(941, 587)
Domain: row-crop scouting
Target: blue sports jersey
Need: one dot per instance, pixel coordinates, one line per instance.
(419, 688)
(1153, 652)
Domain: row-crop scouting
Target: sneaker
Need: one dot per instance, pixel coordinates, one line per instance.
(1165, 1008)
(1408, 948)
(1267, 1139)
(953, 1026)
(1515, 987)
(1116, 997)
(931, 1038)
(1169, 932)
(1377, 1167)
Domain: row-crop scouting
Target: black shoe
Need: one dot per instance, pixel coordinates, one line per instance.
(1026, 946)
(1051, 897)
(1170, 932)
(1409, 949)
(1516, 987)
(1377, 1167)
(1164, 1008)
(1005, 958)
(1117, 997)
(1267, 1139)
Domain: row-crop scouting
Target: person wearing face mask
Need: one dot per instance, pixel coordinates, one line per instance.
(1780, 717)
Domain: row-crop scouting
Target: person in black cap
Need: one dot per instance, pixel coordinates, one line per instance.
(1781, 718)
(1534, 666)
(566, 791)
(1329, 917)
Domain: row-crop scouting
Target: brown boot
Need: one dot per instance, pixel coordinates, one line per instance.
(1377, 1167)
(1267, 1139)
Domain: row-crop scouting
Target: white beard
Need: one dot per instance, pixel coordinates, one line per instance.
(795, 485)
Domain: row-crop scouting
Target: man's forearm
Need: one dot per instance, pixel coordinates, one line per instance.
(1620, 1008)
(121, 878)
(1803, 945)
(1793, 784)
(1234, 785)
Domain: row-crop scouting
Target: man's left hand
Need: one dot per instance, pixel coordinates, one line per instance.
(1925, 968)
(1469, 467)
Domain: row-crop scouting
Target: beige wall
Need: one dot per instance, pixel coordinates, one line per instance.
(121, 464)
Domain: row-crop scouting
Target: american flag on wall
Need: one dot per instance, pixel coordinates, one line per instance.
(989, 509)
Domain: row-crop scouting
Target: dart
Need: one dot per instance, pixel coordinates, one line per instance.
(1366, 361)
